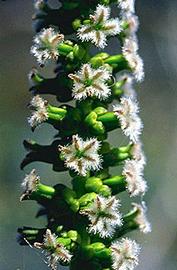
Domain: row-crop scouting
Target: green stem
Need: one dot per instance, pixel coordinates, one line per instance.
(64, 49)
(46, 190)
(118, 62)
(116, 183)
(114, 157)
(109, 120)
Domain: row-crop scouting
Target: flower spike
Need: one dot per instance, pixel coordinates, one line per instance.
(84, 224)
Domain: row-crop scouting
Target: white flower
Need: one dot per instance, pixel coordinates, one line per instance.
(82, 156)
(132, 23)
(127, 113)
(30, 184)
(40, 114)
(54, 250)
(134, 178)
(46, 44)
(130, 46)
(127, 6)
(100, 27)
(104, 216)
(127, 85)
(125, 254)
(138, 154)
(136, 64)
(141, 218)
(38, 4)
(129, 50)
(91, 82)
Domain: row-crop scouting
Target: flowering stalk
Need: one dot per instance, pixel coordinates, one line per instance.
(85, 223)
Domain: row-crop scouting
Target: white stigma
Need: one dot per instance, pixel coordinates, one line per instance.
(127, 113)
(99, 27)
(141, 219)
(104, 216)
(39, 114)
(82, 156)
(125, 254)
(90, 82)
(55, 251)
(46, 44)
(133, 174)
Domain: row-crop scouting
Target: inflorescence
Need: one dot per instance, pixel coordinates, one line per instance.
(86, 225)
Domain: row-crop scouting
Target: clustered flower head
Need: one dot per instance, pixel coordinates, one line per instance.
(82, 156)
(54, 250)
(104, 216)
(40, 114)
(46, 44)
(125, 254)
(127, 113)
(85, 225)
(89, 82)
(99, 27)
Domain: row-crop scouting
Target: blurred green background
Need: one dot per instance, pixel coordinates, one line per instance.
(158, 99)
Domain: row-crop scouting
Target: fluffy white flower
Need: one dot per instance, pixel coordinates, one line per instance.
(91, 82)
(54, 250)
(130, 46)
(134, 178)
(138, 154)
(100, 27)
(82, 156)
(127, 86)
(104, 216)
(38, 4)
(125, 254)
(40, 114)
(141, 219)
(127, 113)
(132, 23)
(136, 64)
(30, 183)
(127, 6)
(46, 44)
